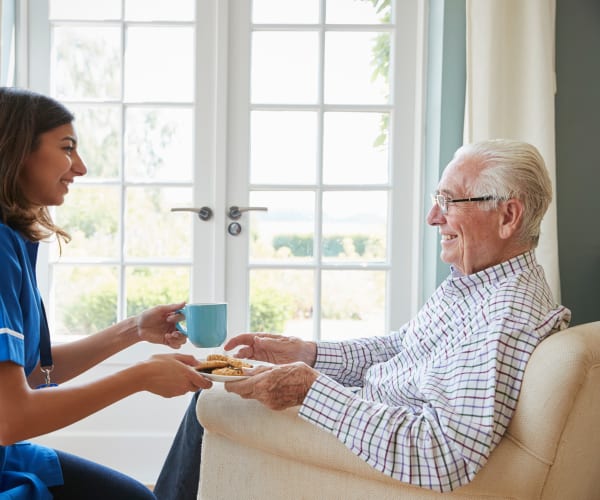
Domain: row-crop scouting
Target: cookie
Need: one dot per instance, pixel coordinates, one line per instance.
(210, 364)
(220, 357)
(229, 371)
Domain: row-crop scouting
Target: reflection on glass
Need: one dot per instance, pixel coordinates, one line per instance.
(85, 298)
(281, 301)
(91, 217)
(362, 12)
(285, 11)
(151, 229)
(98, 134)
(356, 68)
(159, 64)
(285, 232)
(158, 144)
(353, 304)
(86, 63)
(284, 67)
(354, 226)
(159, 10)
(283, 147)
(147, 286)
(76, 9)
(355, 148)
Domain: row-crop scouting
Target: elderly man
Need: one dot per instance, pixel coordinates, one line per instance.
(428, 403)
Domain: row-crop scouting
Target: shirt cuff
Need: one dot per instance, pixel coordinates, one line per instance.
(330, 359)
(325, 403)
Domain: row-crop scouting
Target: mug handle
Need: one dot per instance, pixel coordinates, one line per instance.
(178, 325)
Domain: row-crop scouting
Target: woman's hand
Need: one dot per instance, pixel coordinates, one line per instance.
(170, 375)
(157, 325)
(276, 349)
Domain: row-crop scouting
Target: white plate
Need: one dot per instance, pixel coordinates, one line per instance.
(230, 378)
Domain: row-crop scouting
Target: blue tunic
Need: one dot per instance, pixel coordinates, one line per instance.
(26, 469)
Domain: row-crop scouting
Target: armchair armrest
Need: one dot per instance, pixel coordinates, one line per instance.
(550, 450)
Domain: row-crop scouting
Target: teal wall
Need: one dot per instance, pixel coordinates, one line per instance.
(577, 140)
(578, 155)
(444, 117)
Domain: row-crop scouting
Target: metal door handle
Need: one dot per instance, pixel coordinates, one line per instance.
(204, 213)
(236, 212)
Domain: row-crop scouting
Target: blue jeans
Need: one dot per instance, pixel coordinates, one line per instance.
(92, 481)
(180, 474)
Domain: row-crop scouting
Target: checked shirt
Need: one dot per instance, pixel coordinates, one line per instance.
(428, 403)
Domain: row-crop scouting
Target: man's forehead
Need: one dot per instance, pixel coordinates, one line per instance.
(459, 175)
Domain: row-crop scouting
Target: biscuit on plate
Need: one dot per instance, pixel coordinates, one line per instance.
(228, 371)
(210, 364)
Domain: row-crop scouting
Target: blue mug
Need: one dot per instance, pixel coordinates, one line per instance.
(205, 324)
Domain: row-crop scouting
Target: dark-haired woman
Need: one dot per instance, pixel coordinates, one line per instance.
(39, 160)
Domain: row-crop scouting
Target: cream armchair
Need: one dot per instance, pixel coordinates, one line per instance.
(551, 449)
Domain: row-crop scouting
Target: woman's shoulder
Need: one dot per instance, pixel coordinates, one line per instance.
(10, 240)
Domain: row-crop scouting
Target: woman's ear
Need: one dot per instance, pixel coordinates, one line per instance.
(511, 217)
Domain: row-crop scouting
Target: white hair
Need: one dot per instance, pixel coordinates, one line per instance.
(513, 169)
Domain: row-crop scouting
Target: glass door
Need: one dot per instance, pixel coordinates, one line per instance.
(322, 94)
(306, 110)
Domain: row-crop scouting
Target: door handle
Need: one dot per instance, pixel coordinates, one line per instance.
(236, 212)
(204, 213)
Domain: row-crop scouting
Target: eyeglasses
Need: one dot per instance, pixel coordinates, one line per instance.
(443, 201)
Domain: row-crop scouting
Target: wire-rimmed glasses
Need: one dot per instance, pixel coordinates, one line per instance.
(442, 201)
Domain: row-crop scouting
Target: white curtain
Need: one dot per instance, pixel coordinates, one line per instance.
(510, 90)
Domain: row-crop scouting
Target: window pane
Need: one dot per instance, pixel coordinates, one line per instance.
(85, 298)
(284, 67)
(159, 10)
(283, 147)
(354, 226)
(285, 232)
(158, 144)
(355, 148)
(99, 132)
(91, 216)
(356, 68)
(159, 64)
(151, 229)
(353, 304)
(285, 11)
(150, 285)
(281, 301)
(76, 9)
(362, 12)
(86, 63)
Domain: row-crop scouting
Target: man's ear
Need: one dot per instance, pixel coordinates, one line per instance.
(511, 217)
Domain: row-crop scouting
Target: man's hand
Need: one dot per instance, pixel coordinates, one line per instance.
(276, 349)
(278, 387)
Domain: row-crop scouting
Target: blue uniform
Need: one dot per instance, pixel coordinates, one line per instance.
(26, 469)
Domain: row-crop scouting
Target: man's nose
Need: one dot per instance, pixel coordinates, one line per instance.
(435, 217)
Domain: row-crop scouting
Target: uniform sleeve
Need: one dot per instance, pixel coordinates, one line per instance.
(11, 314)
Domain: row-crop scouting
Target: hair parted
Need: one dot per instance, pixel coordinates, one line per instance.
(24, 116)
(513, 169)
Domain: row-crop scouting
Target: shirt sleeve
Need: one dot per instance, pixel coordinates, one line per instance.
(442, 438)
(347, 361)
